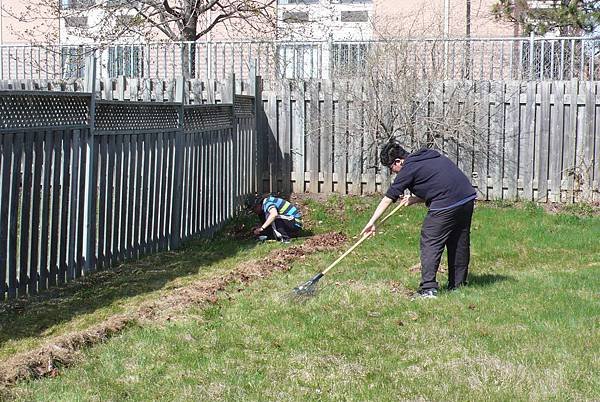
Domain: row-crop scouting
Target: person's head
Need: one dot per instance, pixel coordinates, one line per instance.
(254, 203)
(393, 155)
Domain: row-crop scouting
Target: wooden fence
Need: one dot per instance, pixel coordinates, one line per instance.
(140, 89)
(86, 184)
(543, 139)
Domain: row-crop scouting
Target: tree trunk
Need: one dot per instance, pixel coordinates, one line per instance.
(188, 53)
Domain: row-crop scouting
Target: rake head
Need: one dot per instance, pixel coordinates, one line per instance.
(308, 288)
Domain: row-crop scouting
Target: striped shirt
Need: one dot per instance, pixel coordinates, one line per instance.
(285, 210)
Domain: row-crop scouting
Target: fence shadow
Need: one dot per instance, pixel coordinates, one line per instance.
(38, 315)
(272, 159)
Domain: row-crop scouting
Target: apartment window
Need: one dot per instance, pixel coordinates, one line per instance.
(298, 61)
(125, 60)
(350, 58)
(73, 61)
(76, 22)
(76, 4)
(355, 16)
(295, 16)
(297, 1)
(122, 3)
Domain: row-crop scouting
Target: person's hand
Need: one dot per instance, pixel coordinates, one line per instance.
(258, 231)
(409, 200)
(369, 229)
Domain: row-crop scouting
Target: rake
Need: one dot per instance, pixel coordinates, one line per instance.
(309, 288)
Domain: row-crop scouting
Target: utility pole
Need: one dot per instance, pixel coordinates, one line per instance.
(446, 33)
(468, 41)
(446, 18)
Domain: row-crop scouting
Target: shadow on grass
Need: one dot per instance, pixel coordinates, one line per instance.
(487, 279)
(36, 315)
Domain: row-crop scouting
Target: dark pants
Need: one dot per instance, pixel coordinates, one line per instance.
(283, 229)
(448, 228)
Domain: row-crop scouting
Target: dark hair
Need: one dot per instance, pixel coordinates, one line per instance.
(392, 151)
(253, 200)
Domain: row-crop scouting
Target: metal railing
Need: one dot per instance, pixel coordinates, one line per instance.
(519, 58)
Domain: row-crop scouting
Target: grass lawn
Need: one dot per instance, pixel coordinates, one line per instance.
(526, 328)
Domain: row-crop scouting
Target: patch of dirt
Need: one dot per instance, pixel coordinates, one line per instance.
(398, 288)
(65, 350)
(62, 351)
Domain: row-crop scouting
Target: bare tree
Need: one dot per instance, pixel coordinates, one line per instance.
(400, 89)
(175, 20)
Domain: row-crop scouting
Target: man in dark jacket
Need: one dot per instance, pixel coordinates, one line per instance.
(435, 180)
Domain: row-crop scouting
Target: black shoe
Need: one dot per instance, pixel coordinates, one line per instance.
(425, 294)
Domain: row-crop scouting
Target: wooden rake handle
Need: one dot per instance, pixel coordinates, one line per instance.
(363, 238)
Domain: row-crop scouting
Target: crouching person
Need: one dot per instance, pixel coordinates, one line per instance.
(280, 219)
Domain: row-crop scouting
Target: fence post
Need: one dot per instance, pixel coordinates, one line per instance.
(252, 77)
(228, 94)
(178, 187)
(90, 176)
(257, 139)
(531, 54)
(327, 72)
(235, 136)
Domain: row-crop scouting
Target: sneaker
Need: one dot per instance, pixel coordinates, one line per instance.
(285, 241)
(425, 294)
(262, 238)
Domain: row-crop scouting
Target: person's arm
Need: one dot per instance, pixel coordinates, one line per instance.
(406, 201)
(272, 216)
(369, 229)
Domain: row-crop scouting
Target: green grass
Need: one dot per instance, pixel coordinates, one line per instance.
(525, 329)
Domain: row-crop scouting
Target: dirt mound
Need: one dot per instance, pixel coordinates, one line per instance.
(64, 350)
(60, 352)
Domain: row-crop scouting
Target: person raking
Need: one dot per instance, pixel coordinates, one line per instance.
(434, 179)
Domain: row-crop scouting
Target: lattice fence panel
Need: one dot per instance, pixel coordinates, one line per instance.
(208, 117)
(243, 105)
(31, 110)
(120, 116)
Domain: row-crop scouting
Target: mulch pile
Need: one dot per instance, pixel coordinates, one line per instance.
(65, 350)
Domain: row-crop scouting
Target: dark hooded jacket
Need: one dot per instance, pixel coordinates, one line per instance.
(432, 177)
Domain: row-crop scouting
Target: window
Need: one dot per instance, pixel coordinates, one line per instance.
(355, 16)
(295, 16)
(125, 60)
(349, 59)
(297, 2)
(76, 4)
(298, 61)
(76, 22)
(127, 4)
(73, 61)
